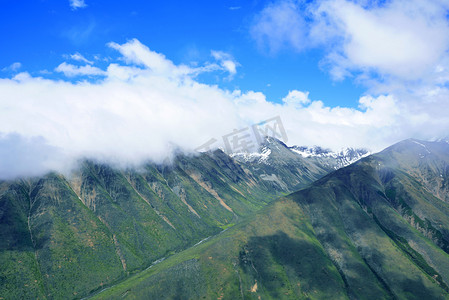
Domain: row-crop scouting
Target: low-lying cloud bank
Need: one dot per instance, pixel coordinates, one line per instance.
(143, 105)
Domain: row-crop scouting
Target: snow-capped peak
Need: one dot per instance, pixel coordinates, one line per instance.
(315, 151)
(342, 158)
(274, 150)
(261, 157)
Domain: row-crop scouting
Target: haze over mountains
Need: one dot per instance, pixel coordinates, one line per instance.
(376, 228)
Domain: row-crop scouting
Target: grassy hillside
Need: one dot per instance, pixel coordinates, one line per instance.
(68, 237)
(273, 254)
(374, 230)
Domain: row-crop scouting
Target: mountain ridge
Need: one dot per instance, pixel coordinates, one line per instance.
(371, 230)
(207, 226)
(126, 219)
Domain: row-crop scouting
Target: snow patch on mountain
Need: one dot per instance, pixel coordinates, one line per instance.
(443, 140)
(422, 145)
(260, 157)
(315, 151)
(340, 158)
(333, 159)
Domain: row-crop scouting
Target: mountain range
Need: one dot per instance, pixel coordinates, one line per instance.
(286, 222)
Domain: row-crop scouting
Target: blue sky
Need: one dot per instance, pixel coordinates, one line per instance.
(39, 36)
(129, 81)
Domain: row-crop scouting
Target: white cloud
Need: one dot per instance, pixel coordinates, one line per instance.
(296, 98)
(404, 39)
(280, 25)
(138, 110)
(70, 70)
(78, 57)
(26, 156)
(45, 72)
(398, 49)
(134, 52)
(13, 67)
(75, 4)
(399, 39)
(226, 61)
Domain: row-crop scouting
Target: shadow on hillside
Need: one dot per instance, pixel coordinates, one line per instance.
(278, 260)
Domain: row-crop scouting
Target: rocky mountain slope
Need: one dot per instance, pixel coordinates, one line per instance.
(334, 159)
(377, 229)
(66, 237)
(293, 167)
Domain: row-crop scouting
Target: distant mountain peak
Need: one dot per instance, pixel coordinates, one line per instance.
(305, 151)
(273, 149)
(444, 140)
(342, 158)
(260, 156)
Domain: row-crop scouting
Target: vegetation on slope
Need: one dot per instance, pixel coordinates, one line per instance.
(71, 237)
(373, 230)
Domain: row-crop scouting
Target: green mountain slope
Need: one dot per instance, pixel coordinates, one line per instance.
(55, 242)
(377, 229)
(67, 237)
